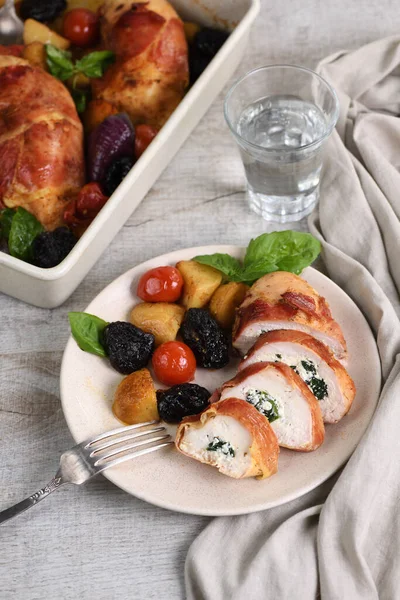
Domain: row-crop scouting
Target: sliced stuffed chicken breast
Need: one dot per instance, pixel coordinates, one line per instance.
(283, 300)
(325, 376)
(233, 437)
(282, 397)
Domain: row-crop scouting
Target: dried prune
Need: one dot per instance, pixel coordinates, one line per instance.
(116, 173)
(208, 40)
(197, 63)
(182, 401)
(49, 248)
(205, 338)
(43, 11)
(128, 347)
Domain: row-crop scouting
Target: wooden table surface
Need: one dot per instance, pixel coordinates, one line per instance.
(97, 541)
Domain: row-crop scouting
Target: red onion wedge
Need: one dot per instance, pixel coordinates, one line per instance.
(112, 139)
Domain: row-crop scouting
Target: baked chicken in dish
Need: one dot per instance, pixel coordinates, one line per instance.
(282, 300)
(41, 142)
(326, 377)
(232, 436)
(282, 397)
(151, 73)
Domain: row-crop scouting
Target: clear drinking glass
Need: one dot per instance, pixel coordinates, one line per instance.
(281, 116)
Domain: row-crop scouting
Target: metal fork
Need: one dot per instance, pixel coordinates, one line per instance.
(91, 457)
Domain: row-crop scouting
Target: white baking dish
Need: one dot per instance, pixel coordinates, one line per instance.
(49, 288)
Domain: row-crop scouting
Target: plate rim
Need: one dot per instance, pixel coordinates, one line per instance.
(237, 250)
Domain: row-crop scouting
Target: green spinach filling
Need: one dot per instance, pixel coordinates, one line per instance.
(218, 444)
(316, 384)
(264, 403)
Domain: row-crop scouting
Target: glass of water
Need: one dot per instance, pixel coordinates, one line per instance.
(281, 117)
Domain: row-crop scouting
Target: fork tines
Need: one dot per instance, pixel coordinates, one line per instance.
(115, 453)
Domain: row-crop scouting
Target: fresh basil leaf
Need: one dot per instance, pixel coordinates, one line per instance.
(283, 250)
(87, 331)
(59, 62)
(80, 98)
(225, 263)
(24, 228)
(254, 271)
(94, 64)
(6, 217)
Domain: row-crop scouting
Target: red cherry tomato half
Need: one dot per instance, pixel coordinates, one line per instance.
(81, 27)
(162, 284)
(173, 363)
(90, 200)
(144, 135)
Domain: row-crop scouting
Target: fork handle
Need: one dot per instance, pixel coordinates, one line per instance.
(17, 509)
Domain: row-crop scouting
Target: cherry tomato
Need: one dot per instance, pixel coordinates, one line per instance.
(144, 134)
(174, 362)
(90, 200)
(81, 27)
(162, 284)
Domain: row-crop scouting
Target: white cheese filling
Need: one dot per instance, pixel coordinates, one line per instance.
(226, 435)
(300, 363)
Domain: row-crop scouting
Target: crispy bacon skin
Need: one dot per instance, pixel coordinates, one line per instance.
(282, 296)
(300, 301)
(41, 142)
(264, 449)
(151, 73)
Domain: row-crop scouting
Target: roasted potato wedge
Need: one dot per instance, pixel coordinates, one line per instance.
(38, 32)
(35, 53)
(200, 282)
(225, 301)
(162, 319)
(135, 399)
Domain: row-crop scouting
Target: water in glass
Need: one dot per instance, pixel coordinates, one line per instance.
(282, 123)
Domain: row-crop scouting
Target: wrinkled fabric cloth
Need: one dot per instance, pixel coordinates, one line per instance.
(342, 540)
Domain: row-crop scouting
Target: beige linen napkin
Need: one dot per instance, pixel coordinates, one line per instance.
(342, 540)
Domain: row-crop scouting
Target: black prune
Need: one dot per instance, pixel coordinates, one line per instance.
(49, 248)
(197, 63)
(205, 338)
(208, 41)
(42, 10)
(128, 347)
(116, 173)
(182, 401)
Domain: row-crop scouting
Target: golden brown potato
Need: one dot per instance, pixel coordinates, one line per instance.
(35, 53)
(38, 32)
(96, 112)
(135, 399)
(200, 282)
(191, 29)
(162, 319)
(225, 301)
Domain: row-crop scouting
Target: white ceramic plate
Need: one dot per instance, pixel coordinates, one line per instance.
(173, 481)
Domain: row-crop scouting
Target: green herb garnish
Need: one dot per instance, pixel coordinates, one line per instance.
(308, 366)
(264, 403)
(80, 98)
(23, 230)
(6, 217)
(87, 331)
(318, 387)
(218, 444)
(92, 65)
(277, 251)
